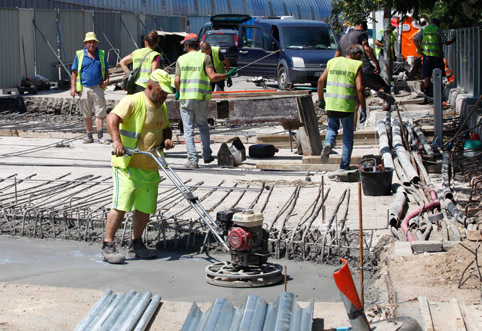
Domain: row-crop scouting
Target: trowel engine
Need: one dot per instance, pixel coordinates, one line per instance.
(246, 237)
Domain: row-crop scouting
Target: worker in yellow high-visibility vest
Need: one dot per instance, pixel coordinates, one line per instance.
(429, 42)
(221, 65)
(343, 80)
(194, 73)
(90, 76)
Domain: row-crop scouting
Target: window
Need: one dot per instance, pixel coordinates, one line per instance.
(309, 37)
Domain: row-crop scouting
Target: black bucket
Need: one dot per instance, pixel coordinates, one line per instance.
(376, 183)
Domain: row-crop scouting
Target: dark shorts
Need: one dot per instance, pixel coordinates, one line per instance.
(374, 82)
(430, 63)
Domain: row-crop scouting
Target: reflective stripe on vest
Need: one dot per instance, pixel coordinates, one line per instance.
(431, 44)
(393, 38)
(80, 58)
(340, 86)
(146, 65)
(194, 83)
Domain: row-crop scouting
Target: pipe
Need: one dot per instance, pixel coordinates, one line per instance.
(137, 312)
(94, 310)
(402, 154)
(421, 167)
(146, 317)
(397, 206)
(383, 145)
(401, 175)
(446, 191)
(423, 140)
(360, 225)
(435, 203)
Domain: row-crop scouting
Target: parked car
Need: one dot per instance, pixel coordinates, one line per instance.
(223, 22)
(290, 51)
(227, 40)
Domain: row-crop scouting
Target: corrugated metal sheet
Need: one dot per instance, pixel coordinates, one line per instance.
(129, 35)
(107, 27)
(72, 28)
(196, 23)
(46, 59)
(9, 37)
(26, 35)
(254, 315)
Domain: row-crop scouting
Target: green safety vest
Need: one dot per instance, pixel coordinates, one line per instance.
(80, 57)
(340, 86)
(146, 66)
(130, 129)
(218, 65)
(195, 83)
(392, 42)
(431, 44)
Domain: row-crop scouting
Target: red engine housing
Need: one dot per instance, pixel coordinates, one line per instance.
(240, 239)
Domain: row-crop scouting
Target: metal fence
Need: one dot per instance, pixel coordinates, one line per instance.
(464, 59)
(43, 41)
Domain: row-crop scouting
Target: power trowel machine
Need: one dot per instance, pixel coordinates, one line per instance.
(239, 231)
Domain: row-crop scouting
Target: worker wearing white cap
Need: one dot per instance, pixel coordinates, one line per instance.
(138, 121)
(90, 76)
(193, 77)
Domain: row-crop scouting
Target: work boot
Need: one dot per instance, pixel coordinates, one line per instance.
(325, 154)
(88, 140)
(111, 254)
(386, 97)
(190, 165)
(209, 159)
(103, 141)
(138, 249)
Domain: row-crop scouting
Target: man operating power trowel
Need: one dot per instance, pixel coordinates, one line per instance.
(139, 121)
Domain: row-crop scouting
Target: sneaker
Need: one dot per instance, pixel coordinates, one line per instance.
(111, 254)
(209, 159)
(191, 165)
(104, 141)
(325, 154)
(88, 140)
(138, 249)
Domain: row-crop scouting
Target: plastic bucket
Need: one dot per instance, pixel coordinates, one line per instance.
(376, 183)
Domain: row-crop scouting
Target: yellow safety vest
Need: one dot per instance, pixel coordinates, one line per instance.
(195, 83)
(80, 57)
(130, 129)
(341, 85)
(431, 44)
(392, 42)
(146, 66)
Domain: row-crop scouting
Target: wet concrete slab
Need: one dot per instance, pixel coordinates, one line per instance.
(175, 276)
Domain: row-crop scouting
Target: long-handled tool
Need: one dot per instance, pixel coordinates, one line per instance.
(186, 193)
(262, 58)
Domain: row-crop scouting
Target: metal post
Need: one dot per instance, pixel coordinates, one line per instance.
(437, 105)
(360, 223)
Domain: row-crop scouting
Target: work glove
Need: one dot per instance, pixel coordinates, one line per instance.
(232, 72)
(177, 95)
(229, 82)
(321, 104)
(363, 115)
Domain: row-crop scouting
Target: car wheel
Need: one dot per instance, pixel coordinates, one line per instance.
(283, 79)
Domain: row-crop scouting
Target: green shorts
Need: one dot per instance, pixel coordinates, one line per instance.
(135, 187)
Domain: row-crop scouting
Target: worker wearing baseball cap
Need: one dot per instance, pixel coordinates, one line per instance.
(194, 72)
(90, 76)
(138, 121)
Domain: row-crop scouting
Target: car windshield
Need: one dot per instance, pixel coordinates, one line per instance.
(220, 39)
(308, 37)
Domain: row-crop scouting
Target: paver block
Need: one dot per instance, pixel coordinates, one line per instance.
(402, 248)
(427, 246)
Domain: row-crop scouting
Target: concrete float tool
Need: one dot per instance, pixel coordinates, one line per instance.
(242, 230)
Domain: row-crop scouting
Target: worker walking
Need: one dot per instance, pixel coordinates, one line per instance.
(221, 64)
(379, 45)
(343, 80)
(429, 42)
(138, 121)
(147, 58)
(90, 76)
(370, 73)
(194, 71)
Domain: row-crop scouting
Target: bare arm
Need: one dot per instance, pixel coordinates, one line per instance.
(321, 84)
(369, 52)
(167, 135)
(105, 82)
(214, 76)
(155, 66)
(126, 60)
(113, 122)
(360, 89)
(73, 80)
(337, 54)
(177, 82)
(227, 65)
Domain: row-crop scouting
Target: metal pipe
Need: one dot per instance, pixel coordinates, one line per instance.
(360, 224)
(437, 104)
(384, 146)
(401, 175)
(421, 167)
(137, 312)
(423, 140)
(402, 154)
(146, 317)
(127, 311)
(446, 191)
(114, 315)
(119, 298)
(397, 206)
(93, 311)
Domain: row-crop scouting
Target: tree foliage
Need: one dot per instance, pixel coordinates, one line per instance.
(452, 13)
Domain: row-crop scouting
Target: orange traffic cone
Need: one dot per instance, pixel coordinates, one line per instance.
(448, 73)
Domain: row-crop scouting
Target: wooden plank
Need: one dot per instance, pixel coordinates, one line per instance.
(473, 322)
(311, 144)
(426, 317)
(459, 320)
(296, 166)
(334, 159)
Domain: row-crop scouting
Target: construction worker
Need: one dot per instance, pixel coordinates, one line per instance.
(219, 62)
(147, 58)
(370, 74)
(138, 121)
(343, 78)
(90, 76)
(379, 44)
(429, 42)
(194, 71)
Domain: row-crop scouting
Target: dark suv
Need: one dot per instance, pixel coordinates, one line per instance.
(227, 40)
